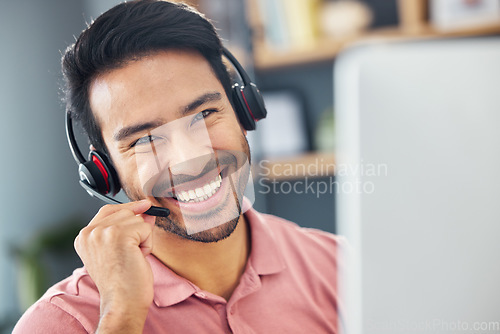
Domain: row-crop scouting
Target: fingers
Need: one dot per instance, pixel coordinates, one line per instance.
(120, 234)
(119, 221)
(136, 207)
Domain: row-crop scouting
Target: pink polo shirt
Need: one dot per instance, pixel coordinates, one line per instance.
(289, 286)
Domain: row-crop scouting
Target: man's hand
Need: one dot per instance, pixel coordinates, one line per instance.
(113, 248)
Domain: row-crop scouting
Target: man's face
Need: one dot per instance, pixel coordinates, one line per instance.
(174, 138)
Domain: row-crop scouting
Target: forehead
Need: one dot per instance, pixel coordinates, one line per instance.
(154, 87)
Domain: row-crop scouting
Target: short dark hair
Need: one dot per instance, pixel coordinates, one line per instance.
(128, 31)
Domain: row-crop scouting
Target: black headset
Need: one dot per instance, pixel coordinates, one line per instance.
(99, 177)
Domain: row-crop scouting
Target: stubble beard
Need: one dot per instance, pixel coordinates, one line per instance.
(210, 235)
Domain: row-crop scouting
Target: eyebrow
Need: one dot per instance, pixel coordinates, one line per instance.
(128, 131)
(205, 98)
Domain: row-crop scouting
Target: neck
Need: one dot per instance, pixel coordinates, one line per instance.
(214, 267)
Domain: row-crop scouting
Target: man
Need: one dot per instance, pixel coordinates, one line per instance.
(147, 82)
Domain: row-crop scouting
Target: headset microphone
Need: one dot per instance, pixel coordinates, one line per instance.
(97, 174)
(152, 211)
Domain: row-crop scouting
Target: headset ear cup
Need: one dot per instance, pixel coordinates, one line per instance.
(254, 101)
(241, 109)
(107, 172)
(249, 105)
(90, 173)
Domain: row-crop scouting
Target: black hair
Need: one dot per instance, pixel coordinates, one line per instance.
(128, 31)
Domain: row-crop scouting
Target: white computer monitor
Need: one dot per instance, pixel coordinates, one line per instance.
(419, 125)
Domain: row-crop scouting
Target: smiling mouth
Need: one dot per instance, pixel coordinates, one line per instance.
(198, 194)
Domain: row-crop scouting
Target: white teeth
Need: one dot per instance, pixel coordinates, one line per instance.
(185, 196)
(202, 193)
(192, 195)
(213, 186)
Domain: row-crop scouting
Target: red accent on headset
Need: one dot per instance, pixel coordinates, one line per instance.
(248, 107)
(102, 170)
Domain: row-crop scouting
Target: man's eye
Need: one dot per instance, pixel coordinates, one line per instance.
(144, 140)
(201, 115)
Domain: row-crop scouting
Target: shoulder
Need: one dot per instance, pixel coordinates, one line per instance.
(70, 306)
(45, 317)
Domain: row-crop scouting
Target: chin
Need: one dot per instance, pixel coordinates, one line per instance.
(214, 234)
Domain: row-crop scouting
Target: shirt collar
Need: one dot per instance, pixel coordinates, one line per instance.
(169, 288)
(265, 256)
(265, 259)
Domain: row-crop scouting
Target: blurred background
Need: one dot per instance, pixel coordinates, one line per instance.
(298, 51)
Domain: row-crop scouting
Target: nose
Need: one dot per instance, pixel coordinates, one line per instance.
(188, 154)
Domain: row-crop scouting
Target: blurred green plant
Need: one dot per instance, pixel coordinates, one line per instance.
(32, 258)
(324, 136)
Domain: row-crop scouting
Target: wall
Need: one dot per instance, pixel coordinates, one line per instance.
(314, 85)
(39, 176)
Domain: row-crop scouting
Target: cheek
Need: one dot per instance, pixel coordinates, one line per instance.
(126, 168)
(232, 141)
(227, 133)
(133, 189)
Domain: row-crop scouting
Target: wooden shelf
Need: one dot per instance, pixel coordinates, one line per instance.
(327, 49)
(312, 165)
